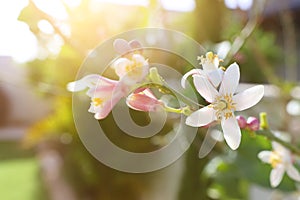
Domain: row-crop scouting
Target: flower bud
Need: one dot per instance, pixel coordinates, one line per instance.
(253, 123)
(241, 121)
(143, 101)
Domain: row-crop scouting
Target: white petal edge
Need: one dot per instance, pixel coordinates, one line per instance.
(293, 173)
(87, 81)
(205, 88)
(189, 73)
(231, 79)
(120, 66)
(281, 150)
(76, 86)
(276, 175)
(248, 97)
(212, 136)
(201, 117)
(138, 58)
(232, 132)
(265, 156)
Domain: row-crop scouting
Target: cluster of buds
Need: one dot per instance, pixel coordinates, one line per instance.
(252, 123)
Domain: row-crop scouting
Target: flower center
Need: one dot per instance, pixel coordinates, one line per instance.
(275, 159)
(97, 101)
(224, 106)
(135, 69)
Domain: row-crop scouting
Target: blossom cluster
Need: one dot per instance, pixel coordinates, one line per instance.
(131, 68)
(217, 85)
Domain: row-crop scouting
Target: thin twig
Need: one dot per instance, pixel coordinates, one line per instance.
(246, 32)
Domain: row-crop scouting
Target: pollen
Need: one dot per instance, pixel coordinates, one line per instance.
(97, 101)
(135, 69)
(224, 106)
(210, 57)
(275, 159)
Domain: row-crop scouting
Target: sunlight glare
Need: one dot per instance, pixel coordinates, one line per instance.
(54, 8)
(127, 2)
(72, 3)
(45, 26)
(178, 5)
(242, 4)
(16, 39)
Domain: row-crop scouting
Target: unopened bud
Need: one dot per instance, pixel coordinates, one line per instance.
(143, 101)
(253, 123)
(241, 121)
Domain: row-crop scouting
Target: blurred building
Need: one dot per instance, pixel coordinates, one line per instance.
(19, 104)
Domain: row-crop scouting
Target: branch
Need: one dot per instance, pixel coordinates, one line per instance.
(57, 29)
(265, 131)
(246, 32)
(269, 135)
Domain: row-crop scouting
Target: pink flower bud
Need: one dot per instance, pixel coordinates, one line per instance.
(143, 101)
(241, 121)
(253, 123)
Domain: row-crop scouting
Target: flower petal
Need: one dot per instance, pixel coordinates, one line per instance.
(265, 156)
(212, 136)
(205, 88)
(121, 46)
(142, 102)
(89, 81)
(201, 117)
(231, 79)
(100, 91)
(248, 97)
(232, 132)
(76, 86)
(189, 73)
(102, 112)
(281, 150)
(120, 66)
(276, 175)
(215, 76)
(293, 173)
(134, 44)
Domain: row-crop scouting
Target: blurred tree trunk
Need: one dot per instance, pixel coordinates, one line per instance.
(208, 28)
(208, 14)
(193, 185)
(51, 162)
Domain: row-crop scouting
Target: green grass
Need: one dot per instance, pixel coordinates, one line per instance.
(19, 179)
(19, 174)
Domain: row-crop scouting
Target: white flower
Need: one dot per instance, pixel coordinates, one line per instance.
(223, 104)
(131, 70)
(132, 67)
(210, 70)
(281, 161)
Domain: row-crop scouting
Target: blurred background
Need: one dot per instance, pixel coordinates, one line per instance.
(42, 45)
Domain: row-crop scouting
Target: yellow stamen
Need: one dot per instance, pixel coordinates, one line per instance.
(210, 56)
(135, 69)
(97, 101)
(275, 159)
(222, 68)
(224, 106)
